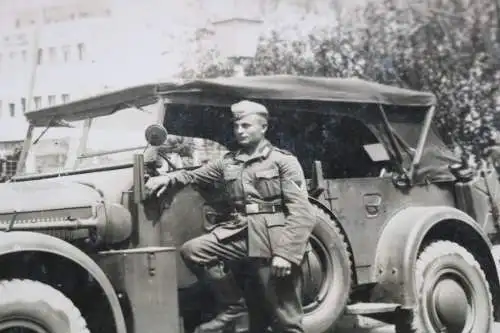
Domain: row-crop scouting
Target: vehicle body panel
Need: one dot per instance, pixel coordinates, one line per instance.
(146, 277)
(363, 206)
(33, 196)
(111, 182)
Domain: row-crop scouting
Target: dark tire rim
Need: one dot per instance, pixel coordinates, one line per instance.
(449, 301)
(317, 273)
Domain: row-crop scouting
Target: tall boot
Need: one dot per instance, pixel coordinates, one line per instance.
(228, 295)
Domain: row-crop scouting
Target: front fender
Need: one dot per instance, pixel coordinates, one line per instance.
(401, 240)
(19, 241)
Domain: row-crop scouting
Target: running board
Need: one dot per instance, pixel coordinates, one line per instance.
(371, 308)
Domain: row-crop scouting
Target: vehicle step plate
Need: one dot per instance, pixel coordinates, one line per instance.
(370, 308)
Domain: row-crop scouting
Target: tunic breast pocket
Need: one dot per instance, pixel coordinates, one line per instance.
(268, 183)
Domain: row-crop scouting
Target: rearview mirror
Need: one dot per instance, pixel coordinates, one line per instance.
(377, 152)
(156, 135)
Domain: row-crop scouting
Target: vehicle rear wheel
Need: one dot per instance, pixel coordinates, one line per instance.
(327, 276)
(28, 306)
(453, 293)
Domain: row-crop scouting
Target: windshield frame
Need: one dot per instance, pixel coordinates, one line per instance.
(82, 136)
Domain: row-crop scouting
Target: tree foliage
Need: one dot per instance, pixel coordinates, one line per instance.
(448, 47)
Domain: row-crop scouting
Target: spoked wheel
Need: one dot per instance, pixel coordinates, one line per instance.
(454, 295)
(327, 276)
(28, 306)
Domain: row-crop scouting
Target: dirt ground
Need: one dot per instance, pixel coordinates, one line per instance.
(359, 324)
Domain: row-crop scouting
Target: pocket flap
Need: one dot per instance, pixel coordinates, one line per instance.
(267, 174)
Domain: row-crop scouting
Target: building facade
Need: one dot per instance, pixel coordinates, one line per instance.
(69, 49)
(79, 48)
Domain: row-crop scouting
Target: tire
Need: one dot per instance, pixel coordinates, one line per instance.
(37, 307)
(447, 266)
(330, 291)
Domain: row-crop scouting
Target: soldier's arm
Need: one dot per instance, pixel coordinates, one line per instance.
(206, 174)
(300, 219)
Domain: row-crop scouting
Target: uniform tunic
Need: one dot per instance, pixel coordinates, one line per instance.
(270, 176)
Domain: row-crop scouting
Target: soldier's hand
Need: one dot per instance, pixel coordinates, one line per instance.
(155, 183)
(281, 267)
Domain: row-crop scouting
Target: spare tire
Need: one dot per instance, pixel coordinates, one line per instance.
(327, 275)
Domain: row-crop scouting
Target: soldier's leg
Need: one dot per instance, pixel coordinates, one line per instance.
(260, 313)
(204, 255)
(283, 295)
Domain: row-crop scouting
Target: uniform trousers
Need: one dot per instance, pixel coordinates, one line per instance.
(271, 301)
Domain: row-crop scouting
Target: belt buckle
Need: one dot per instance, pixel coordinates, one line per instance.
(252, 208)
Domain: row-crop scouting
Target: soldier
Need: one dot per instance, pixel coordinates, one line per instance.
(269, 231)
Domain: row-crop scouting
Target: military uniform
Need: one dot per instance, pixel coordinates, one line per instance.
(272, 217)
(269, 197)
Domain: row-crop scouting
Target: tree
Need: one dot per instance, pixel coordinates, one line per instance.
(448, 47)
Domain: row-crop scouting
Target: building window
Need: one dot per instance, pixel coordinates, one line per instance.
(24, 55)
(0, 109)
(13, 55)
(65, 98)
(38, 102)
(23, 104)
(40, 56)
(12, 109)
(66, 53)
(18, 23)
(81, 51)
(52, 100)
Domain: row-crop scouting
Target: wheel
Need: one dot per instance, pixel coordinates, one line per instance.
(327, 276)
(453, 293)
(28, 306)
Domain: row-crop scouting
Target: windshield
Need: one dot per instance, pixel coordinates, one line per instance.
(51, 148)
(94, 142)
(114, 139)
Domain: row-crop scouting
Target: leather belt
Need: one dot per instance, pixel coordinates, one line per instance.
(258, 208)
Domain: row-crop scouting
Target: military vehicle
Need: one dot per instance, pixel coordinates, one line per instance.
(405, 233)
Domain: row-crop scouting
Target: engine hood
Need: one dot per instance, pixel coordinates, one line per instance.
(40, 195)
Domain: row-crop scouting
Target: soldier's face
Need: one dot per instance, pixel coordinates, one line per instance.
(250, 130)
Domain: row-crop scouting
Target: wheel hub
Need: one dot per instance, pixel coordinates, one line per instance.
(451, 305)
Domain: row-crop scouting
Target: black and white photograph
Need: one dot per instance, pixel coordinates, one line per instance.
(249, 166)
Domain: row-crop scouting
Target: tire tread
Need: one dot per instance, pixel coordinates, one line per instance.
(341, 244)
(24, 290)
(430, 253)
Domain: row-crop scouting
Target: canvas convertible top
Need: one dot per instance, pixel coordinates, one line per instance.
(279, 88)
(273, 87)
(290, 87)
